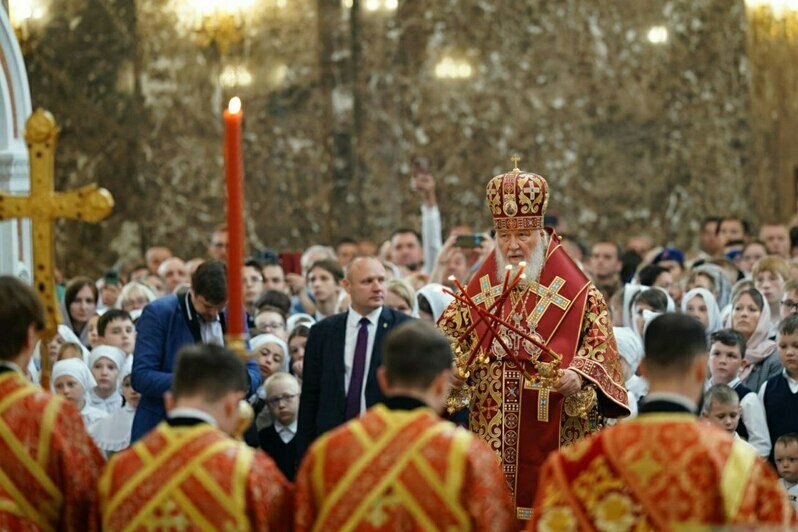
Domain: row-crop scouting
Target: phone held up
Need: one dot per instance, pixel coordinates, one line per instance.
(469, 241)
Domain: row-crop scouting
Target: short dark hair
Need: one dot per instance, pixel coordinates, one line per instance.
(210, 371)
(270, 308)
(345, 240)
(255, 263)
(302, 330)
(710, 219)
(786, 439)
(729, 337)
(333, 267)
(20, 308)
(720, 394)
(734, 218)
(648, 275)
(274, 299)
(75, 286)
(405, 231)
(672, 342)
(209, 280)
(415, 353)
(789, 324)
(110, 315)
(653, 297)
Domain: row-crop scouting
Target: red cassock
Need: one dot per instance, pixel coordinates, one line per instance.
(522, 419)
(401, 470)
(660, 472)
(193, 478)
(48, 464)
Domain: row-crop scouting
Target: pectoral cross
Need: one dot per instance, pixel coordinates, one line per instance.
(489, 293)
(44, 205)
(548, 295)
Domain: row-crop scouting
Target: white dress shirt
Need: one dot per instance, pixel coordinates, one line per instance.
(792, 383)
(352, 329)
(286, 432)
(210, 331)
(752, 414)
(792, 492)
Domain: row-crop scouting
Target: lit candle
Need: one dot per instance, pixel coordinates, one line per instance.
(234, 176)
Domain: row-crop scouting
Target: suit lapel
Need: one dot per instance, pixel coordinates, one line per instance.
(190, 315)
(372, 386)
(339, 347)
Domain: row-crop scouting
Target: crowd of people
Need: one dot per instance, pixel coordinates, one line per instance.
(325, 352)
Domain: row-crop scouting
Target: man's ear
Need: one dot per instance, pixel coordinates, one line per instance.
(347, 285)
(642, 369)
(700, 368)
(382, 379)
(169, 401)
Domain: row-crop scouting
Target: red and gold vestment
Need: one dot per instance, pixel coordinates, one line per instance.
(660, 471)
(48, 464)
(401, 470)
(193, 478)
(521, 419)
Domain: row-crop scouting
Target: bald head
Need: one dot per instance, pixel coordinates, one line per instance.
(174, 271)
(155, 256)
(365, 283)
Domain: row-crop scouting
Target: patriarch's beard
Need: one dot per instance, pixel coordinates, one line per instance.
(534, 263)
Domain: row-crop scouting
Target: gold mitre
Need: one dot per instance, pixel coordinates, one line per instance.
(517, 199)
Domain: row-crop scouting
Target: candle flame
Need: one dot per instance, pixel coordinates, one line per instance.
(452, 278)
(522, 276)
(508, 267)
(234, 107)
(522, 263)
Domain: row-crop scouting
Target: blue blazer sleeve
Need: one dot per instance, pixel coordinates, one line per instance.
(147, 377)
(254, 377)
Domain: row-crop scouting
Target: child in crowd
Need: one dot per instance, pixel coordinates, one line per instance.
(116, 328)
(105, 362)
(272, 355)
(112, 433)
(780, 393)
(68, 350)
(277, 440)
(726, 355)
(72, 380)
(93, 339)
(786, 451)
(722, 409)
(630, 350)
(296, 342)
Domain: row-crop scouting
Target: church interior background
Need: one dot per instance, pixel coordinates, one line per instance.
(644, 116)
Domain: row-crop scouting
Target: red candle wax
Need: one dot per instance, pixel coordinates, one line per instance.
(234, 177)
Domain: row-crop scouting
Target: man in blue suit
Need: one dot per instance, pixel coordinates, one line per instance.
(191, 316)
(343, 352)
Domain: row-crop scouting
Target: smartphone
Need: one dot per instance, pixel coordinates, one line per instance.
(420, 166)
(469, 241)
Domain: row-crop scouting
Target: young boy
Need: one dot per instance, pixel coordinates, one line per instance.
(780, 393)
(116, 328)
(786, 451)
(722, 408)
(726, 355)
(277, 440)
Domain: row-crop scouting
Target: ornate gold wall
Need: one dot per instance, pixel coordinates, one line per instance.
(633, 136)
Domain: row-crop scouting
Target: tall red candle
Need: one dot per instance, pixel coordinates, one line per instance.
(234, 176)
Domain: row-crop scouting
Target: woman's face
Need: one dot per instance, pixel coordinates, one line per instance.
(322, 284)
(84, 305)
(397, 303)
(697, 308)
(270, 360)
(297, 346)
(745, 315)
(640, 306)
(136, 300)
(105, 373)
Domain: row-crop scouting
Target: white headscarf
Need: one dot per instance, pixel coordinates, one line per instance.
(66, 333)
(437, 298)
(297, 319)
(114, 354)
(758, 347)
(713, 311)
(262, 339)
(629, 292)
(630, 348)
(721, 282)
(76, 368)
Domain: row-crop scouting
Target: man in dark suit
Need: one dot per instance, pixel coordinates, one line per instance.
(191, 316)
(343, 353)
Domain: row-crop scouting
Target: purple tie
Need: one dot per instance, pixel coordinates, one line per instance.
(358, 369)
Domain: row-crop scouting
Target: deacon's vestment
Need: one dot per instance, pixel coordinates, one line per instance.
(520, 419)
(400, 467)
(48, 464)
(660, 471)
(187, 474)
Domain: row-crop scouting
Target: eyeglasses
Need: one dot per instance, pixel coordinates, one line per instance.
(253, 279)
(274, 401)
(270, 326)
(789, 304)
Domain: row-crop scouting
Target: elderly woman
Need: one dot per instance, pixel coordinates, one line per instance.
(750, 316)
(134, 297)
(80, 303)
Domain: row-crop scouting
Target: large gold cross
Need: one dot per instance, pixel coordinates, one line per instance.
(548, 295)
(489, 293)
(44, 205)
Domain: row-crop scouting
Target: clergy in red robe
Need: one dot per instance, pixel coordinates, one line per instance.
(188, 473)
(525, 401)
(399, 466)
(663, 470)
(48, 464)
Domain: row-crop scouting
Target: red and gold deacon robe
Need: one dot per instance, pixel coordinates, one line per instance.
(659, 472)
(48, 464)
(522, 420)
(401, 470)
(193, 478)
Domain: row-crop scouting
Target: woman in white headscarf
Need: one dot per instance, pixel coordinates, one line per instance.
(630, 349)
(750, 316)
(432, 301)
(72, 380)
(701, 304)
